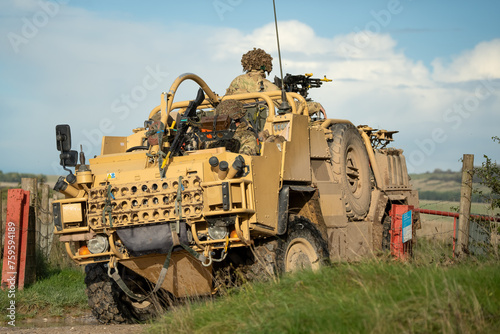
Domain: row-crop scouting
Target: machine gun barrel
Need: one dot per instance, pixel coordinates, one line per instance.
(183, 126)
(300, 83)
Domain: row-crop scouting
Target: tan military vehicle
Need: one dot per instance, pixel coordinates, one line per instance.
(161, 213)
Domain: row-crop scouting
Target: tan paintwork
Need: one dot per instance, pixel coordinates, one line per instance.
(130, 185)
(185, 277)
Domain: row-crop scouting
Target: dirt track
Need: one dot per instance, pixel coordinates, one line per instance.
(80, 329)
(86, 324)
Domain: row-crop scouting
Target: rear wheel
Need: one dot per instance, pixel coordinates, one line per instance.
(351, 169)
(303, 248)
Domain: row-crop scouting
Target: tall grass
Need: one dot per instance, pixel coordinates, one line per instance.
(432, 293)
(57, 292)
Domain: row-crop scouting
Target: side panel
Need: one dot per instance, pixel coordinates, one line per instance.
(266, 182)
(111, 145)
(318, 144)
(296, 164)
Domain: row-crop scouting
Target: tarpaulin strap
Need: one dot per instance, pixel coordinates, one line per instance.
(163, 273)
(108, 207)
(178, 199)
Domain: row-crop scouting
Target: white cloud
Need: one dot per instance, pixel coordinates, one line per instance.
(480, 63)
(80, 64)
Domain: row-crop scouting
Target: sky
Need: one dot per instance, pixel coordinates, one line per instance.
(428, 69)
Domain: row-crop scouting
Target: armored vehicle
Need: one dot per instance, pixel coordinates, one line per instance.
(166, 212)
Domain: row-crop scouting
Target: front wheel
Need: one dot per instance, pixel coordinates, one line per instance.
(109, 304)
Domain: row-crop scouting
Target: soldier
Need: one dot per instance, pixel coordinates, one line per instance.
(255, 63)
(244, 134)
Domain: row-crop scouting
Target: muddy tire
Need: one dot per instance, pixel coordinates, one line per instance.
(109, 304)
(303, 248)
(350, 166)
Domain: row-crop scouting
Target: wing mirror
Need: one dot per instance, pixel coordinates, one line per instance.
(63, 140)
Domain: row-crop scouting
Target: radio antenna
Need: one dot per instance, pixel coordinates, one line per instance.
(284, 107)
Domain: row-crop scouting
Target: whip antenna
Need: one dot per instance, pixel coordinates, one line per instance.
(284, 103)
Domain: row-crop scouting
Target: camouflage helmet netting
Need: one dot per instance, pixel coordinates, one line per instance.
(232, 108)
(257, 59)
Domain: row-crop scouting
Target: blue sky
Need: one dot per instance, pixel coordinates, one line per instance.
(430, 69)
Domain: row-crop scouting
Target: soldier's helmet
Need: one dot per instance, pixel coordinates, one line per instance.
(233, 108)
(257, 59)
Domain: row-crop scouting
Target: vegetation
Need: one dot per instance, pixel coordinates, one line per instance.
(445, 186)
(57, 292)
(489, 175)
(16, 177)
(430, 294)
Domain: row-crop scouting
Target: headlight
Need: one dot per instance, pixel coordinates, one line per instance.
(217, 232)
(99, 244)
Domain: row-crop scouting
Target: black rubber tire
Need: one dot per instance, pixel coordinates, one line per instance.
(302, 248)
(109, 304)
(104, 296)
(351, 168)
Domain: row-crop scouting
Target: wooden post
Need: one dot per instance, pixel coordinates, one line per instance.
(15, 269)
(44, 221)
(1, 220)
(30, 184)
(465, 204)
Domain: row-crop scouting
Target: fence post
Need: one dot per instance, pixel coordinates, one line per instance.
(14, 270)
(30, 184)
(1, 220)
(465, 204)
(44, 221)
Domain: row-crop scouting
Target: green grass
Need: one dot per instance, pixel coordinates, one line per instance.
(476, 208)
(60, 292)
(431, 294)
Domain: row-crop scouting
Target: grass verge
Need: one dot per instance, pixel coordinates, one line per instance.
(59, 292)
(430, 294)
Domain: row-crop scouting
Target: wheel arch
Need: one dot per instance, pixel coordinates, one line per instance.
(301, 201)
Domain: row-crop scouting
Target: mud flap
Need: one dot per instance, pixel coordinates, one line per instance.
(350, 242)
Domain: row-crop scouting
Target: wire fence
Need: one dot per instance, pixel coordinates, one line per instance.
(484, 225)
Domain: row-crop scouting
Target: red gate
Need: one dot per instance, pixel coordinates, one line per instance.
(16, 239)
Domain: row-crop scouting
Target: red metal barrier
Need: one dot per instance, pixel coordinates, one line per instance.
(455, 215)
(16, 239)
(399, 249)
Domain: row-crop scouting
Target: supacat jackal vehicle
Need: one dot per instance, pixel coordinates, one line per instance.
(161, 212)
